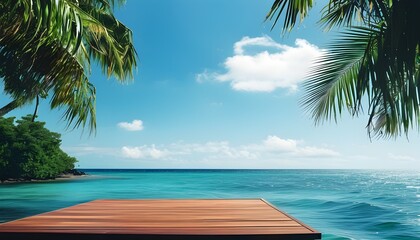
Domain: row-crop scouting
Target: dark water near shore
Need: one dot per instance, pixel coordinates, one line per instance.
(342, 204)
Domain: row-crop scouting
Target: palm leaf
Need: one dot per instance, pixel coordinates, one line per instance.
(375, 61)
(47, 46)
(335, 81)
(353, 12)
(291, 10)
(354, 70)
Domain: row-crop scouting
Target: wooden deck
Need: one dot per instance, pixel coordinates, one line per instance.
(161, 219)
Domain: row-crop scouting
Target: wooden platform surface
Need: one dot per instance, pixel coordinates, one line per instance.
(161, 219)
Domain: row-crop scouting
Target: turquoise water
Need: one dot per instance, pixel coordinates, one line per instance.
(342, 204)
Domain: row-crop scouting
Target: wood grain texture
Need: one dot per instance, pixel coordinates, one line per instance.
(161, 219)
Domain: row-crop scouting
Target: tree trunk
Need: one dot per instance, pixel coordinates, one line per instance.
(36, 108)
(9, 107)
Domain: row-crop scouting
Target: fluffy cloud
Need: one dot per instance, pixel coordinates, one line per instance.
(262, 65)
(316, 152)
(277, 144)
(135, 125)
(143, 152)
(270, 152)
(273, 147)
(295, 148)
(211, 150)
(265, 41)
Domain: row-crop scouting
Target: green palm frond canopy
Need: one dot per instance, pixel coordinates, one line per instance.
(47, 46)
(374, 63)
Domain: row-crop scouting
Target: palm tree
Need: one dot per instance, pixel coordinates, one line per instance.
(47, 46)
(375, 62)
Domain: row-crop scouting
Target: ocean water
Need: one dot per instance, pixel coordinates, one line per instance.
(342, 204)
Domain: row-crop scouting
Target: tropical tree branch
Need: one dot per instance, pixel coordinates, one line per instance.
(376, 61)
(46, 46)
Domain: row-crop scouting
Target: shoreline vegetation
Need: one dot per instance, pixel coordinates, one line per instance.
(68, 175)
(30, 152)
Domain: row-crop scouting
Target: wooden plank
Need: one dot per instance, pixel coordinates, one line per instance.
(165, 219)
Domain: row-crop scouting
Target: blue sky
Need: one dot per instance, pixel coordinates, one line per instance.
(215, 88)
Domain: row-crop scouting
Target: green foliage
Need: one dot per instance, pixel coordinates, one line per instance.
(47, 46)
(293, 9)
(375, 62)
(30, 151)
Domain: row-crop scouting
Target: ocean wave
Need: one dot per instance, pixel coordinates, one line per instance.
(360, 210)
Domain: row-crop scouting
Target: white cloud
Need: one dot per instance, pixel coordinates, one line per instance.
(268, 67)
(271, 147)
(156, 153)
(221, 149)
(143, 152)
(132, 152)
(291, 148)
(277, 144)
(316, 152)
(135, 125)
(265, 41)
(271, 152)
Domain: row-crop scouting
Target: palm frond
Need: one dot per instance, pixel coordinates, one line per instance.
(356, 69)
(397, 70)
(335, 82)
(47, 46)
(353, 12)
(79, 99)
(291, 10)
(376, 60)
(112, 48)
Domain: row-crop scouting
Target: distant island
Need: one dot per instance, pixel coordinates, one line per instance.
(29, 151)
